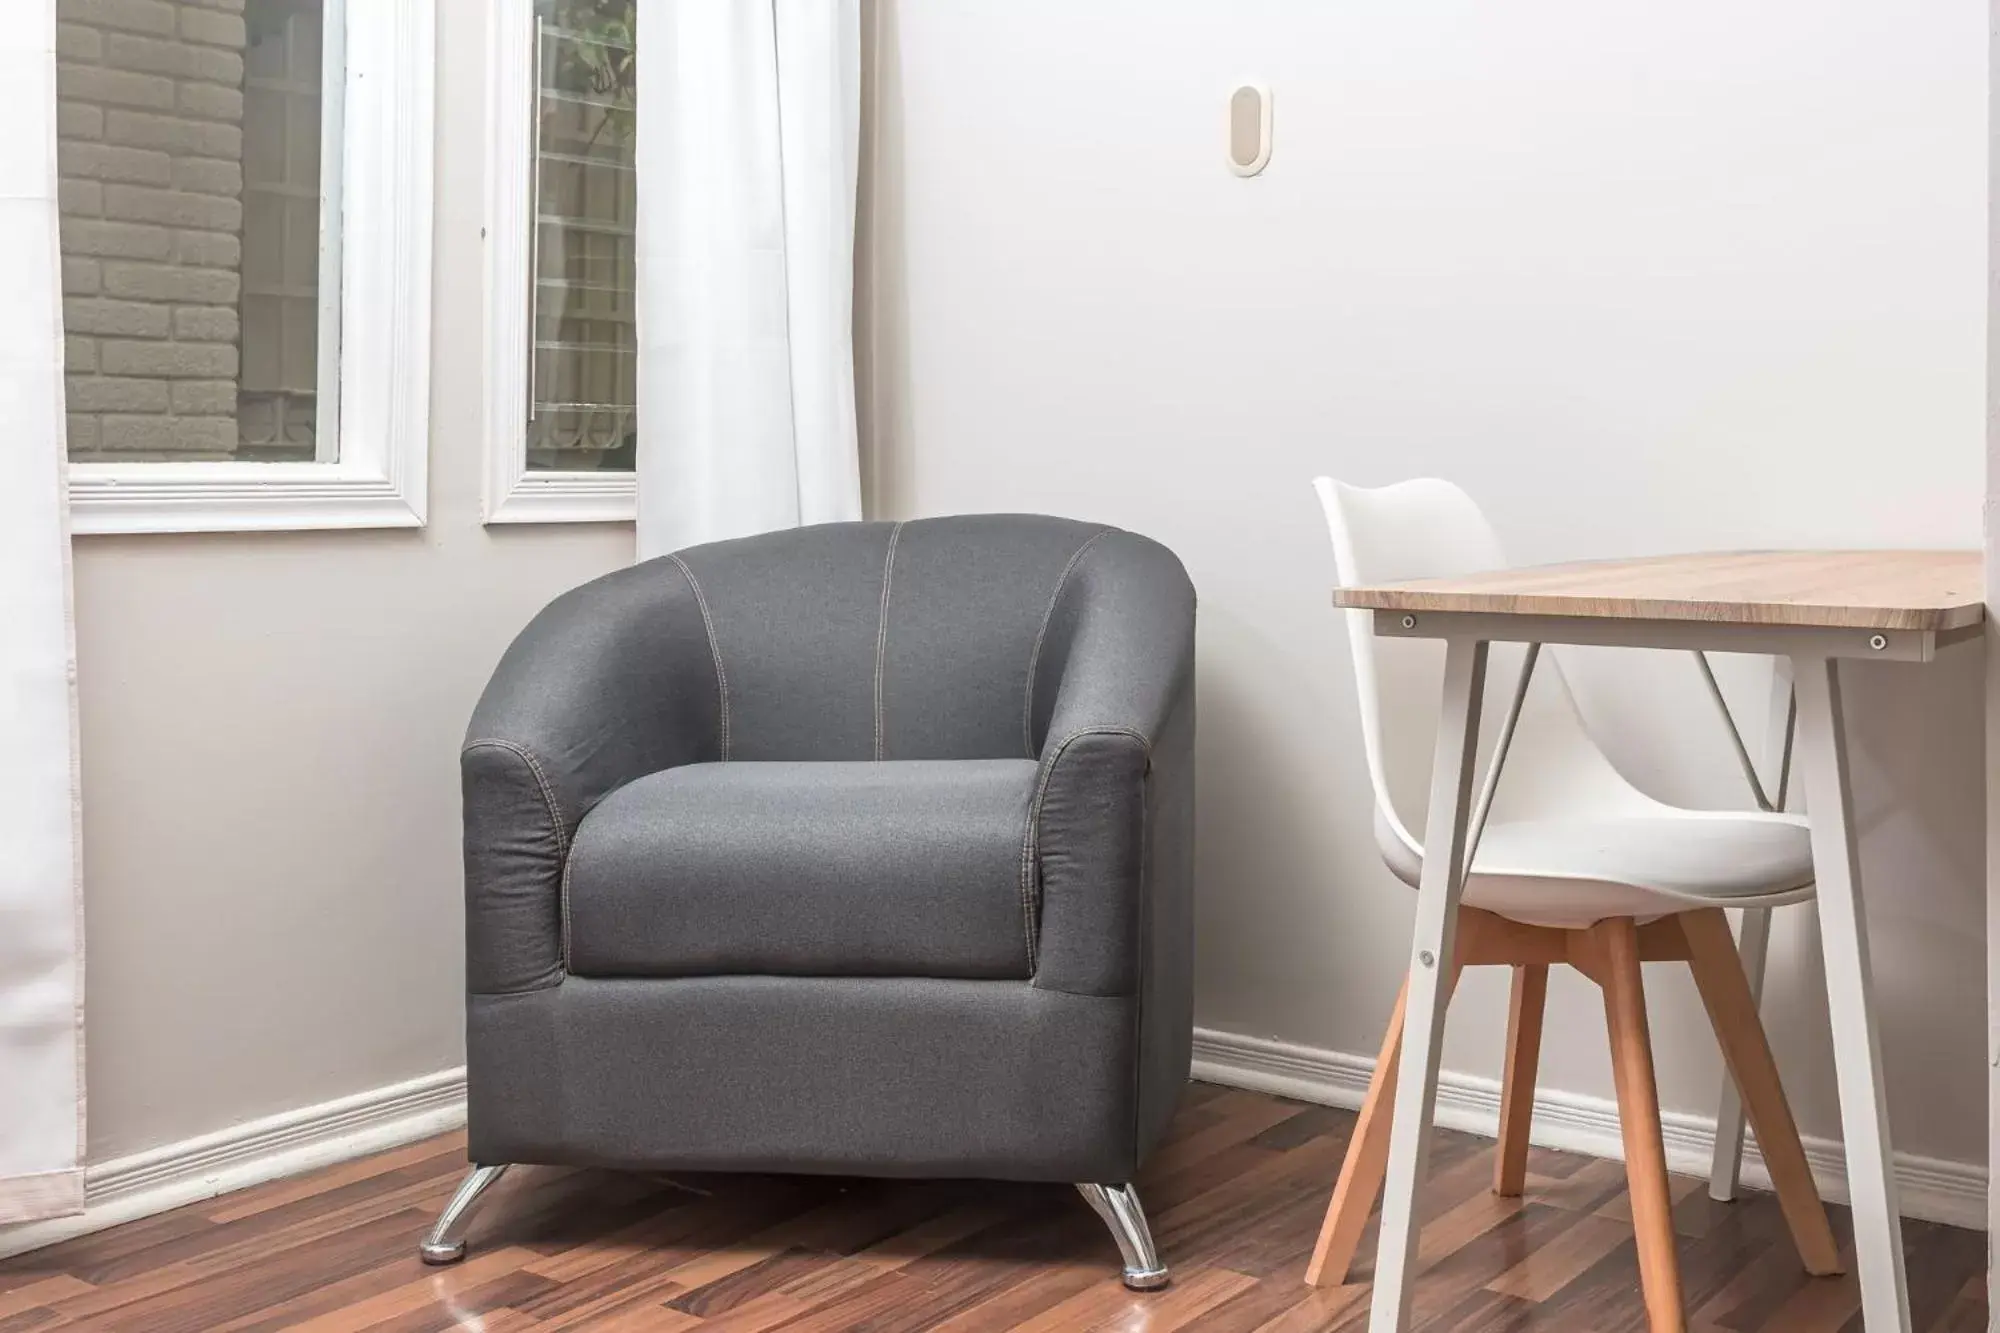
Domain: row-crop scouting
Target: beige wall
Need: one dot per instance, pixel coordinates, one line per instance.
(270, 735)
(1643, 277)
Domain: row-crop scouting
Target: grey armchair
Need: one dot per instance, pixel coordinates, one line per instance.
(862, 848)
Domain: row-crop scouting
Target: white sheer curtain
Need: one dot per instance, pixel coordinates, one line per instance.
(41, 906)
(748, 138)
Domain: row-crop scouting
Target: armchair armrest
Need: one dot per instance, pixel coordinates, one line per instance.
(613, 680)
(1111, 713)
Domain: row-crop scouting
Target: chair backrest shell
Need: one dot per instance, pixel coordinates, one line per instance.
(1429, 528)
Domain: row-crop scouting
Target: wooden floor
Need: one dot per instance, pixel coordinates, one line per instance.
(1235, 1199)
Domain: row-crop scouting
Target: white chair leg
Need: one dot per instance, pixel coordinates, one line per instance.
(1753, 942)
(1438, 892)
(1857, 1048)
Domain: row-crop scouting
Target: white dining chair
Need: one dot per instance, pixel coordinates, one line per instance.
(1569, 863)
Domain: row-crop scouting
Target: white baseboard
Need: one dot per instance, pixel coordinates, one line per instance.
(1931, 1188)
(288, 1144)
(129, 1188)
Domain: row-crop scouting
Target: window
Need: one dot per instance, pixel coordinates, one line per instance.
(245, 215)
(562, 418)
(285, 319)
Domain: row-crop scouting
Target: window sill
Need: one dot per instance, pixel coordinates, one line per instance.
(237, 497)
(563, 497)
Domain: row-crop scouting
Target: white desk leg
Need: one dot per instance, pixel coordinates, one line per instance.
(1753, 936)
(1753, 942)
(1857, 1047)
(1452, 769)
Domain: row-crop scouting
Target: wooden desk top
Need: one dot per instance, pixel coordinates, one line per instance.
(1906, 590)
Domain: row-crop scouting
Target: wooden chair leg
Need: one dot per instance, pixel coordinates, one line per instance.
(1362, 1170)
(1367, 1160)
(1517, 1090)
(1732, 1010)
(1617, 945)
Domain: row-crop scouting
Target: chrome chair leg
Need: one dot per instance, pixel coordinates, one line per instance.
(1119, 1206)
(446, 1243)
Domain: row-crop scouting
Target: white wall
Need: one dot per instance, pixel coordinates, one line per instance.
(270, 740)
(1644, 277)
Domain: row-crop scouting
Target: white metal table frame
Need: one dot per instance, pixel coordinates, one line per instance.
(1814, 653)
(1753, 936)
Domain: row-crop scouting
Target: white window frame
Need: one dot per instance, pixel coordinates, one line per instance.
(380, 113)
(512, 493)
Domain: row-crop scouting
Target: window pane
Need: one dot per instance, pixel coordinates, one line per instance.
(190, 161)
(582, 377)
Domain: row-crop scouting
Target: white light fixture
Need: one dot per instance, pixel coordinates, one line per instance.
(1249, 129)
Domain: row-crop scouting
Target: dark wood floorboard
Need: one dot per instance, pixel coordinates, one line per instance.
(1235, 1197)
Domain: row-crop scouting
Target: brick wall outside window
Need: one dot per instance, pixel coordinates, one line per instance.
(151, 130)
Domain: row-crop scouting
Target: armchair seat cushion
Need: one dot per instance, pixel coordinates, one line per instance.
(906, 868)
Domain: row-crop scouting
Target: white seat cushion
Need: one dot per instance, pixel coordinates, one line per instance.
(1571, 872)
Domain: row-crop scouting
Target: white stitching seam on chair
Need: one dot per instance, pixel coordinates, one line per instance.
(1035, 654)
(714, 648)
(882, 633)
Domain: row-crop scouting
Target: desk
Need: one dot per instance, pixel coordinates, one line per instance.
(1813, 607)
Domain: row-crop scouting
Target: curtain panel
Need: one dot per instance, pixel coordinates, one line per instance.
(749, 116)
(41, 903)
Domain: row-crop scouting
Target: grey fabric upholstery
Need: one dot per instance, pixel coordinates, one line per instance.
(890, 1076)
(829, 869)
(735, 891)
